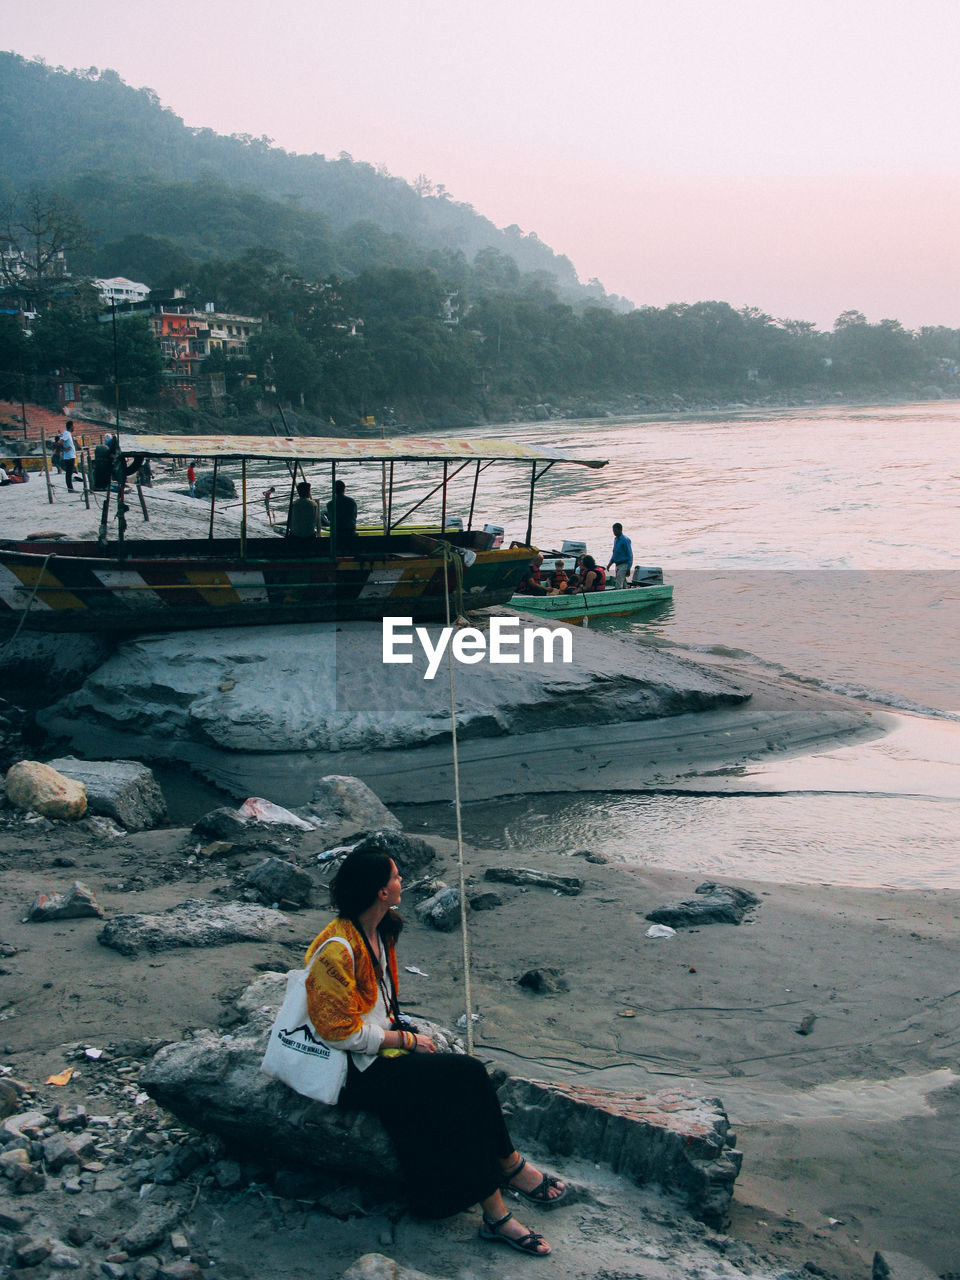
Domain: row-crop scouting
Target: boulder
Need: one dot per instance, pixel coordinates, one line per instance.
(375, 1266)
(193, 923)
(571, 885)
(414, 857)
(124, 790)
(220, 824)
(670, 1138)
(716, 904)
(213, 1081)
(76, 904)
(38, 787)
(348, 806)
(543, 981)
(442, 910)
(278, 881)
(204, 485)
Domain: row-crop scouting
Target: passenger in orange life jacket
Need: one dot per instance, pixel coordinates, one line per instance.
(592, 576)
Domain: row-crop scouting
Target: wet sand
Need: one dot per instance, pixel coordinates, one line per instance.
(848, 1132)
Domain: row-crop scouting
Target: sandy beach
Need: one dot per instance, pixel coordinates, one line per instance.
(849, 1130)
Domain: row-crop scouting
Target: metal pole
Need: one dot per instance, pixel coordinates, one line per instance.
(116, 368)
(46, 465)
(390, 501)
(243, 516)
(443, 503)
(473, 496)
(213, 496)
(333, 512)
(84, 456)
(533, 484)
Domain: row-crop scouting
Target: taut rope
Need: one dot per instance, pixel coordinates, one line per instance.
(450, 554)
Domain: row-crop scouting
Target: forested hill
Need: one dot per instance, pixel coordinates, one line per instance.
(101, 141)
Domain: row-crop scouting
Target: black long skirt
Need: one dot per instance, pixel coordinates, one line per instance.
(444, 1119)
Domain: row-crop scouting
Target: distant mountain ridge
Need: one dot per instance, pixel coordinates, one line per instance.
(61, 127)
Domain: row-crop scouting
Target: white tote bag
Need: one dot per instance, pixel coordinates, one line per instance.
(295, 1053)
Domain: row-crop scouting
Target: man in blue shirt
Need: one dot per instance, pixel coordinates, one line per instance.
(621, 557)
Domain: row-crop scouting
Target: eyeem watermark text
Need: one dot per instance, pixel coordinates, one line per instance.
(504, 643)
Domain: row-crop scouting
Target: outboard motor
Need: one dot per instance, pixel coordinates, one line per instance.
(646, 576)
(496, 534)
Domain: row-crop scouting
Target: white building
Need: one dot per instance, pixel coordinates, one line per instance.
(119, 289)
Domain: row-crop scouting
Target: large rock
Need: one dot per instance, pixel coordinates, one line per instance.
(376, 1266)
(670, 1138)
(38, 787)
(124, 790)
(213, 1081)
(276, 880)
(349, 806)
(715, 904)
(193, 923)
(78, 902)
(414, 857)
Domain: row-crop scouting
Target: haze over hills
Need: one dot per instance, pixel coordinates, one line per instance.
(376, 297)
(134, 167)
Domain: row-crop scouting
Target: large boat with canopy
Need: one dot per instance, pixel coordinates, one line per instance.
(124, 584)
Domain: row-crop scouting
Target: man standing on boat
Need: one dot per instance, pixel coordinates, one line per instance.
(304, 521)
(341, 513)
(621, 557)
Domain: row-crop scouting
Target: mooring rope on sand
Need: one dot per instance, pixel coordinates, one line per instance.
(450, 555)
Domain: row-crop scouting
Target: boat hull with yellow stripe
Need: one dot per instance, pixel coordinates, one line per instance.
(157, 585)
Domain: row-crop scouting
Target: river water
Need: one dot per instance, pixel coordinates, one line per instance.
(820, 543)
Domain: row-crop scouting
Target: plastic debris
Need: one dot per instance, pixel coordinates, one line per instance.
(90, 1052)
(626, 1013)
(63, 1077)
(266, 811)
(412, 968)
(335, 853)
(462, 1020)
(661, 931)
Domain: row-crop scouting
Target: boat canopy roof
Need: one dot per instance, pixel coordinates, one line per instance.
(325, 449)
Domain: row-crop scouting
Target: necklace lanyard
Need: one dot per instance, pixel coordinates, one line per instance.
(382, 973)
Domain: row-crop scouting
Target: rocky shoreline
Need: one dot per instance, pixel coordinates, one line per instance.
(778, 1015)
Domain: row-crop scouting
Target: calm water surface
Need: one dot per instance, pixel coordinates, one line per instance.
(821, 543)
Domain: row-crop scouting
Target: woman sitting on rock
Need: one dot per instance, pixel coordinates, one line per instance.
(440, 1110)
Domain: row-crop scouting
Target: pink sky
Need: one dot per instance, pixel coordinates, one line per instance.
(803, 158)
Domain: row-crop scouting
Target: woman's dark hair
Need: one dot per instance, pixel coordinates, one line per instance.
(361, 876)
(588, 562)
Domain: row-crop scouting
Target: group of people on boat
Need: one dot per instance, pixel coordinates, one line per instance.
(587, 576)
(340, 514)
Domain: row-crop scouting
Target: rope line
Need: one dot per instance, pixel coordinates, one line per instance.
(450, 554)
(26, 607)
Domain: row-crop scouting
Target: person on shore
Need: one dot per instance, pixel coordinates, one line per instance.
(192, 479)
(621, 557)
(16, 474)
(68, 454)
(592, 577)
(304, 521)
(440, 1109)
(267, 502)
(341, 512)
(56, 455)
